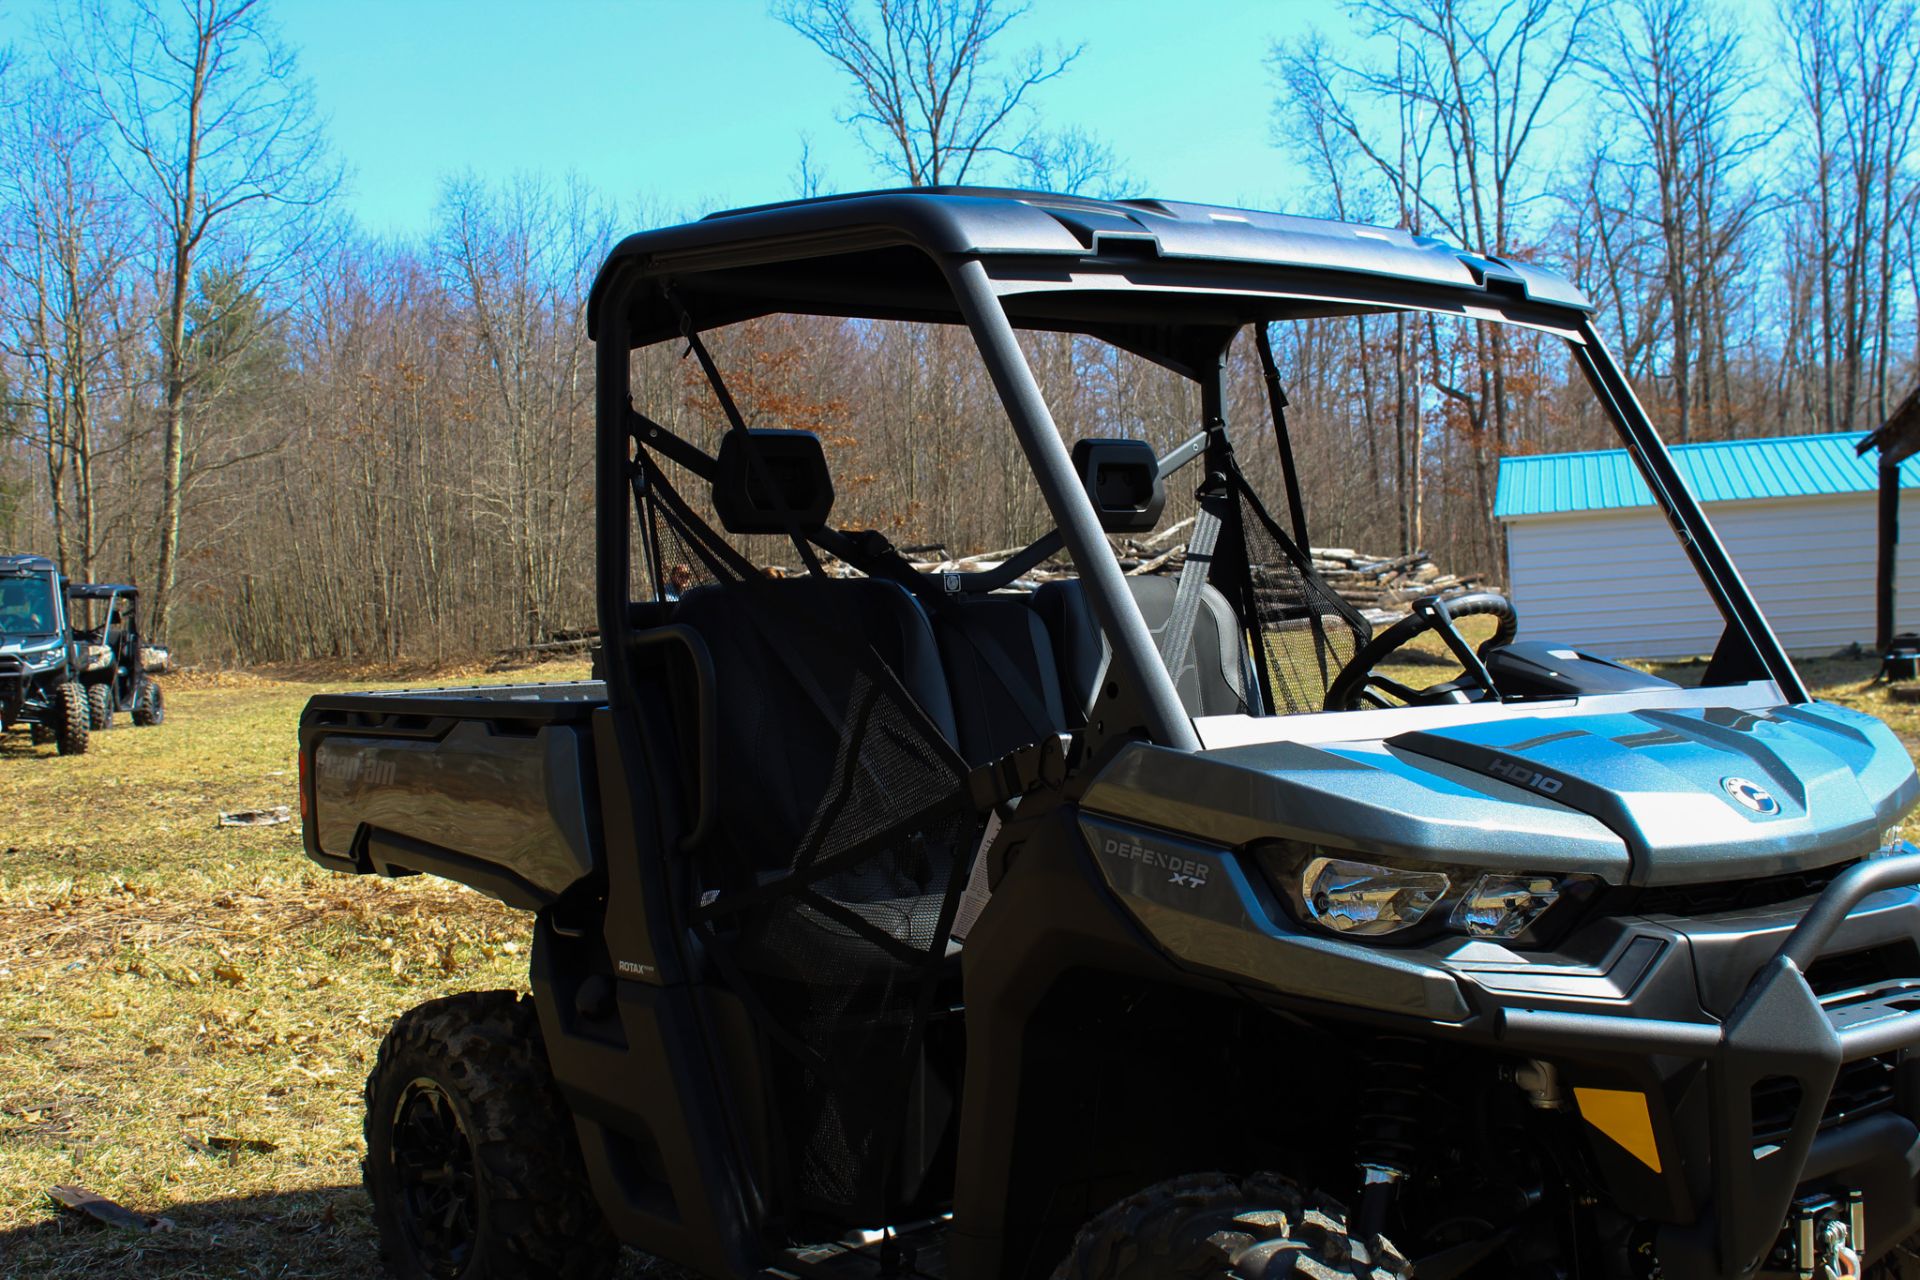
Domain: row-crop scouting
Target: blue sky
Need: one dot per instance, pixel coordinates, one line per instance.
(678, 107)
(688, 105)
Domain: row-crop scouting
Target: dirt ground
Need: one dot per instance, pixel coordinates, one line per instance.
(188, 1012)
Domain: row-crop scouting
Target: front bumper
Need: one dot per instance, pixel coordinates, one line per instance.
(1719, 1178)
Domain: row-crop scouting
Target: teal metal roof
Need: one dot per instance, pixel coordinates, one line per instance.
(1544, 484)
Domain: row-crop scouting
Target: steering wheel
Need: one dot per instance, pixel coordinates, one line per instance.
(1358, 685)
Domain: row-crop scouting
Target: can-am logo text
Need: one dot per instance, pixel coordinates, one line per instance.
(1188, 873)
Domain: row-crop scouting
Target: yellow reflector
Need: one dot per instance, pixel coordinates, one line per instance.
(1622, 1115)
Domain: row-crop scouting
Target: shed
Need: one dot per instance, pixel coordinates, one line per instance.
(1592, 562)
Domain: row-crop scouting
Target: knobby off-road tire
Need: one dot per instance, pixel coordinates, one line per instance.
(149, 705)
(70, 720)
(99, 707)
(1213, 1226)
(472, 1162)
(41, 734)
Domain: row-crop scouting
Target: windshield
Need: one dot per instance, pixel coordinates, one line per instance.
(27, 607)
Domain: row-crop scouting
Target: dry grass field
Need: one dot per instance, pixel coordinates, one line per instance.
(188, 1012)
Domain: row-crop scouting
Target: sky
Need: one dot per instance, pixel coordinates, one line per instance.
(679, 107)
(684, 106)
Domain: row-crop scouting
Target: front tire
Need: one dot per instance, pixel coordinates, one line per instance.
(70, 720)
(1213, 1226)
(99, 707)
(149, 705)
(472, 1163)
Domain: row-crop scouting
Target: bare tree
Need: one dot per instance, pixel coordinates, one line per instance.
(927, 101)
(1073, 162)
(64, 241)
(221, 140)
(1673, 74)
(1855, 66)
(1472, 82)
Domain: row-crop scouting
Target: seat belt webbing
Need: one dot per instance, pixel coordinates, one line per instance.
(1177, 640)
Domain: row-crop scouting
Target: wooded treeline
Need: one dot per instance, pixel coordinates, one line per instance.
(305, 441)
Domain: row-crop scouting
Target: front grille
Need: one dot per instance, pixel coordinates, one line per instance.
(1875, 965)
(1860, 1089)
(1735, 895)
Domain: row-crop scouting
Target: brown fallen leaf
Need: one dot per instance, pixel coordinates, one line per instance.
(229, 974)
(93, 1205)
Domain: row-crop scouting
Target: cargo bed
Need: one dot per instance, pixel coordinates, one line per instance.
(486, 785)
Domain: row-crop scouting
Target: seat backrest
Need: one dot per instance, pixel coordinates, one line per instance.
(784, 666)
(1212, 682)
(1002, 674)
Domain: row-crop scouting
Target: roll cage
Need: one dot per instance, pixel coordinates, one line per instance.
(1173, 283)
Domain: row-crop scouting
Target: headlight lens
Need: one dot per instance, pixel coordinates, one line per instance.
(1367, 899)
(1357, 896)
(1498, 905)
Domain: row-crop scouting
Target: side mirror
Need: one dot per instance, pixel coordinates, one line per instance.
(1122, 477)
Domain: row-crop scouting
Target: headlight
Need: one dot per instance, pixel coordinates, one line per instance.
(1499, 905)
(1366, 899)
(1357, 895)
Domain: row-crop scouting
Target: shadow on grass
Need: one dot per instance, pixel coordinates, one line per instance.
(17, 745)
(324, 1233)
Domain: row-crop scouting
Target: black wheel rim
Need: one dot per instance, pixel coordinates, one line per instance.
(433, 1170)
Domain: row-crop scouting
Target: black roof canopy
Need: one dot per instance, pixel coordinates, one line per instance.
(99, 590)
(1058, 262)
(26, 564)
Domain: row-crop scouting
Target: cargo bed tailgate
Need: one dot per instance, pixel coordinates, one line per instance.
(489, 786)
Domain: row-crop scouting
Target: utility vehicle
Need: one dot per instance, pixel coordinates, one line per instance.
(117, 664)
(1130, 927)
(39, 689)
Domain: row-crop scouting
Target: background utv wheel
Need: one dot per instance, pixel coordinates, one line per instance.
(1212, 1226)
(149, 705)
(41, 734)
(472, 1162)
(99, 707)
(70, 720)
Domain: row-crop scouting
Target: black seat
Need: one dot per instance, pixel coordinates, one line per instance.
(1212, 682)
(784, 671)
(1002, 674)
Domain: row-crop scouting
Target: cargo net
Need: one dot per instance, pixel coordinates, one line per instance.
(1306, 634)
(833, 925)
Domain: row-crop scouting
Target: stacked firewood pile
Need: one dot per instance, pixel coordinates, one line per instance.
(1386, 582)
(1376, 585)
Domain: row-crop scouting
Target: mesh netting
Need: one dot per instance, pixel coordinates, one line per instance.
(843, 837)
(1306, 632)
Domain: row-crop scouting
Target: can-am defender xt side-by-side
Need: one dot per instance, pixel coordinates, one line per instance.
(117, 665)
(1126, 927)
(39, 688)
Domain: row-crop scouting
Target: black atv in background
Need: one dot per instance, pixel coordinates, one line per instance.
(116, 664)
(39, 690)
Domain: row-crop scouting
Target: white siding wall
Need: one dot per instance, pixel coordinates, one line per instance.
(1617, 583)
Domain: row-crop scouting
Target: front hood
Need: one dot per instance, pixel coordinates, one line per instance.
(1641, 797)
(33, 650)
(1707, 794)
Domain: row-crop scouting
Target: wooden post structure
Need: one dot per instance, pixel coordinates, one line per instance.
(1889, 554)
(1896, 439)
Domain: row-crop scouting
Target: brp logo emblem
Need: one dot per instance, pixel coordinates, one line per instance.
(1751, 795)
